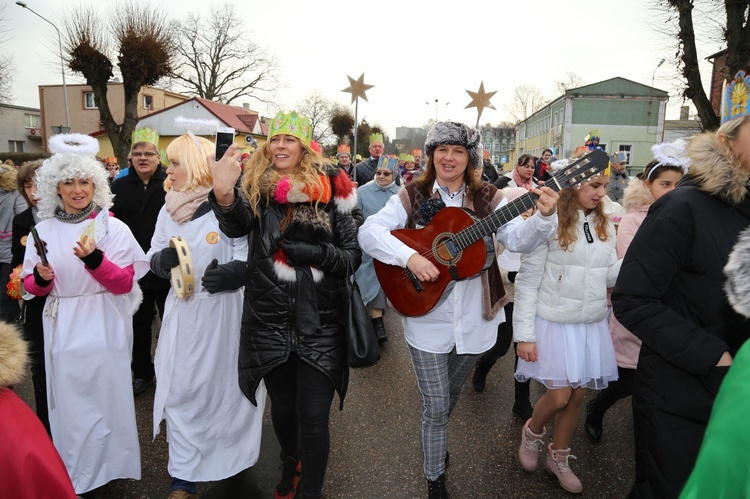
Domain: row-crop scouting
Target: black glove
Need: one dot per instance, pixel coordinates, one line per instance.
(168, 258)
(304, 253)
(212, 277)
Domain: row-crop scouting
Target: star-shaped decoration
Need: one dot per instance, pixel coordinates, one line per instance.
(357, 87)
(480, 99)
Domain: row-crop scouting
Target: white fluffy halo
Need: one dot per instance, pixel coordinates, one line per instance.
(197, 126)
(672, 153)
(73, 143)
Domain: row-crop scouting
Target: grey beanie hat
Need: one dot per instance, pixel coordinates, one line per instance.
(455, 134)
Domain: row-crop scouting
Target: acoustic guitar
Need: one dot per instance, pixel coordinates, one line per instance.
(454, 241)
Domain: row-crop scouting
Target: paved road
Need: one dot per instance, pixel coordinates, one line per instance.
(375, 450)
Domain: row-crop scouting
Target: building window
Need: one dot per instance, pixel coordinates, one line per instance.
(88, 100)
(31, 120)
(628, 150)
(15, 145)
(148, 102)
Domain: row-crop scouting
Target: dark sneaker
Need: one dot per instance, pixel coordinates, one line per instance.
(291, 473)
(594, 419)
(436, 489)
(523, 409)
(140, 385)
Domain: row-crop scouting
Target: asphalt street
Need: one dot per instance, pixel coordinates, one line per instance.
(375, 448)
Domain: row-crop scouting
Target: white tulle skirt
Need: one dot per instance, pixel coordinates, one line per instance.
(571, 355)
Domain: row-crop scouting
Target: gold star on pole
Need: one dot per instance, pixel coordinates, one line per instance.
(480, 99)
(357, 87)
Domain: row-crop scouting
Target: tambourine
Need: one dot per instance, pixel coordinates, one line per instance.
(182, 279)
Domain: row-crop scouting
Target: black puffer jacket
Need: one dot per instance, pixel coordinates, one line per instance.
(669, 293)
(282, 316)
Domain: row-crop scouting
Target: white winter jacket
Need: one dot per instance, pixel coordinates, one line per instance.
(565, 286)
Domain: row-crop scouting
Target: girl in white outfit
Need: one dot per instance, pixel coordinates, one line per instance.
(212, 428)
(561, 322)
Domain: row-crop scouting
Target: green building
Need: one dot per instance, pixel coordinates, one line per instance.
(628, 115)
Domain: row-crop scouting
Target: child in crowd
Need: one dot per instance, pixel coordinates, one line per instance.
(561, 322)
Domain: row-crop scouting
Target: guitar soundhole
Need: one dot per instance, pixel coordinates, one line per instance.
(445, 250)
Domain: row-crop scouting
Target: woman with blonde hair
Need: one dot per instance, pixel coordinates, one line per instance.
(212, 429)
(302, 249)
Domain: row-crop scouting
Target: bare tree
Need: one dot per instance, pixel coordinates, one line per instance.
(527, 99)
(6, 63)
(571, 80)
(319, 110)
(217, 61)
(735, 31)
(141, 36)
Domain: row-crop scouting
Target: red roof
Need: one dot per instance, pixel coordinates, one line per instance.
(238, 118)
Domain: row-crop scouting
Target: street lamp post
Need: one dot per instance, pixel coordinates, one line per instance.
(653, 75)
(436, 108)
(62, 63)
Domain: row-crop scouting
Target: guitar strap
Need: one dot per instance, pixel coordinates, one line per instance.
(493, 290)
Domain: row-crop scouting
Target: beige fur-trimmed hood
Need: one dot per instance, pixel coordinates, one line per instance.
(13, 355)
(714, 170)
(636, 195)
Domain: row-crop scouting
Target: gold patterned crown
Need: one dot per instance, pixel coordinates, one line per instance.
(390, 161)
(292, 124)
(405, 157)
(734, 98)
(416, 152)
(145, 135)
(376, 137)
(344, 149)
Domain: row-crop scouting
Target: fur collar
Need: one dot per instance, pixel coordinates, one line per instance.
(637, 196)
(13, 355)
(715, 170)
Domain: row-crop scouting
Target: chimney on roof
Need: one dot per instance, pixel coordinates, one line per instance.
(246, 105)
(684, 113)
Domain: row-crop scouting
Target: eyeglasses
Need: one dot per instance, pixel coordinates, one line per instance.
(147, 154)
(384, 174)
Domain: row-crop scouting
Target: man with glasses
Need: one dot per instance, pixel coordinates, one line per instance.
(139, 196)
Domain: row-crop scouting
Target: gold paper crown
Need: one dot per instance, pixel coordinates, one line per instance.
(376, 137)
(405, 157)
(292, 124)
(416, 152)
(390, 161)
(344, 149)
(145, 135)
(734, 98)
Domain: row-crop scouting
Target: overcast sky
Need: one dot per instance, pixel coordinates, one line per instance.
(411, 51)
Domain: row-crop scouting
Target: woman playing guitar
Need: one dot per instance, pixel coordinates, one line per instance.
(445, 342)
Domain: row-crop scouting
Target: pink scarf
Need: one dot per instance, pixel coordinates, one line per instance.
(182, 205)
(520, 182)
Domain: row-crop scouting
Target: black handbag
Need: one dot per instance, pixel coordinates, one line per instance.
(362, 342)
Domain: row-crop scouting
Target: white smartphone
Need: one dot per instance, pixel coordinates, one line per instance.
(224, 139)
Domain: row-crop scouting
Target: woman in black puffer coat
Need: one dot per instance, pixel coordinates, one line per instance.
(670, 294)
(302, 246)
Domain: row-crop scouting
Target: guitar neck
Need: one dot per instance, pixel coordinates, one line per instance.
(489, 224)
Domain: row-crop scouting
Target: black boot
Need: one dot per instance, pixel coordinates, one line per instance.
(479, 379)
(594, 418)
(522, 406)
(436, 489)
(379, 329)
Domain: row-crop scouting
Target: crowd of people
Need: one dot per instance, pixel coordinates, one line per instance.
(246, 260)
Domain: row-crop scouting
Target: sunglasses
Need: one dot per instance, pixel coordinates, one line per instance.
(384, 174)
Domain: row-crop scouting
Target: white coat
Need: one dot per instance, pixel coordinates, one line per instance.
(565, 286)
(88, 340)
(212, 428)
